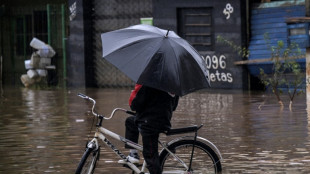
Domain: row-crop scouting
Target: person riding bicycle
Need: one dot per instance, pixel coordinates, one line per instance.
(154, 110)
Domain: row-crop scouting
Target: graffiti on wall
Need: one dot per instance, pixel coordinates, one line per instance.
(217, 66)
(72, 9)
(228, 10)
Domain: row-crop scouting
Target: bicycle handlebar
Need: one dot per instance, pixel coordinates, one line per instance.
(97, 115)
(82, 95)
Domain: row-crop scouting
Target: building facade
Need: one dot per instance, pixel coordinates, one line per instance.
(201, 23)
(73, 29)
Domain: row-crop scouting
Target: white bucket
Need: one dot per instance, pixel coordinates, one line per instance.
(46, 51)
(42, 72)
(28, 65)
(36, 43)
(32, 73)
(35, 60)
(26, 80)
(44, 62)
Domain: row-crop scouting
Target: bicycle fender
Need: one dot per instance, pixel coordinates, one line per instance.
(204, 140)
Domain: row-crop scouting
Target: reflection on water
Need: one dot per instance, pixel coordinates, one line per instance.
(44, 131)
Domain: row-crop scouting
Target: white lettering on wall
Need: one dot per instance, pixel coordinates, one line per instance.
(228, 10)
(218, 65)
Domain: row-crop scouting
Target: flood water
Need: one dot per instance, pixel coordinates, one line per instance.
(45, 131)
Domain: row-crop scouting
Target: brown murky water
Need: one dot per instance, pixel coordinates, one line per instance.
(44, 131)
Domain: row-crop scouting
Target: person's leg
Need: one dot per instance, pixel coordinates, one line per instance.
(150, 152)
(132, 132)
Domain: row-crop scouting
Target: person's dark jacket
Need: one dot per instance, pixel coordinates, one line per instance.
(153, 107)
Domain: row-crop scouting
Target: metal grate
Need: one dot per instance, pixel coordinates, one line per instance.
(108, 16)
(195, 25)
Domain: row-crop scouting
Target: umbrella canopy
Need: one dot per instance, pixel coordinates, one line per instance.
(156, 58)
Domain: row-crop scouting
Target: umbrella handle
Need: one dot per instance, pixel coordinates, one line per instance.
(167, 33)
(131, 113)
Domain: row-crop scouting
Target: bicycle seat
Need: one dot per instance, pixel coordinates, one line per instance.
(183, 130)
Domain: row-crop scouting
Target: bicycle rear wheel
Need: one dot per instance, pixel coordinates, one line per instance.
(88, 162)
(205, 160)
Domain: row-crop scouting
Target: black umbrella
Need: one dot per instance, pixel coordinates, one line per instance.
(156, 58)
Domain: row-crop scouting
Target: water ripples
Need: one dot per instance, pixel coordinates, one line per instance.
(45, 131)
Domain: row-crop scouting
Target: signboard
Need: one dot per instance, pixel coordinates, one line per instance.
(148, 21)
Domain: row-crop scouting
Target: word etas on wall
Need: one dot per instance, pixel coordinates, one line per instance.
(217, 67)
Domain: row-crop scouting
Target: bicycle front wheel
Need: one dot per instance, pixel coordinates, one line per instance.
(205, 160)
(88, 162)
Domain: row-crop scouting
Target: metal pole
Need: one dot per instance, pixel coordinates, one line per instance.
(1, 44)
(64, 55)
(307, 4)
(1, 92)
(24, 33)
(1, 71)
(308, 74)
(48, 23)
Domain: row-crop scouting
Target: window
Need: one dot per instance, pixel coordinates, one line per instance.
(195, 26)
(40, 25)
(27, 27)
(23, 32)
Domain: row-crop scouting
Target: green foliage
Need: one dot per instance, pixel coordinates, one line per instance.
(242, 51)
(282, 65)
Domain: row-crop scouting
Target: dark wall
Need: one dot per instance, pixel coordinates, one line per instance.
(88, 41)
(111, 15)
(220, 58)
(79, 61)
(90, 18)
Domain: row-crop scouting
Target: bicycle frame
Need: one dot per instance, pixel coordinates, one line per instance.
(101, 133)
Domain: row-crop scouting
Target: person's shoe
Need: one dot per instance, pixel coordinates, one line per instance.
(132, 157)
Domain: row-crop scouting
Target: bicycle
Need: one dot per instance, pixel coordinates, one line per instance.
(187, 154)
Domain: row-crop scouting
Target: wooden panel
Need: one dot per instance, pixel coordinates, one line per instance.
(273, 22)
(195, 26)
